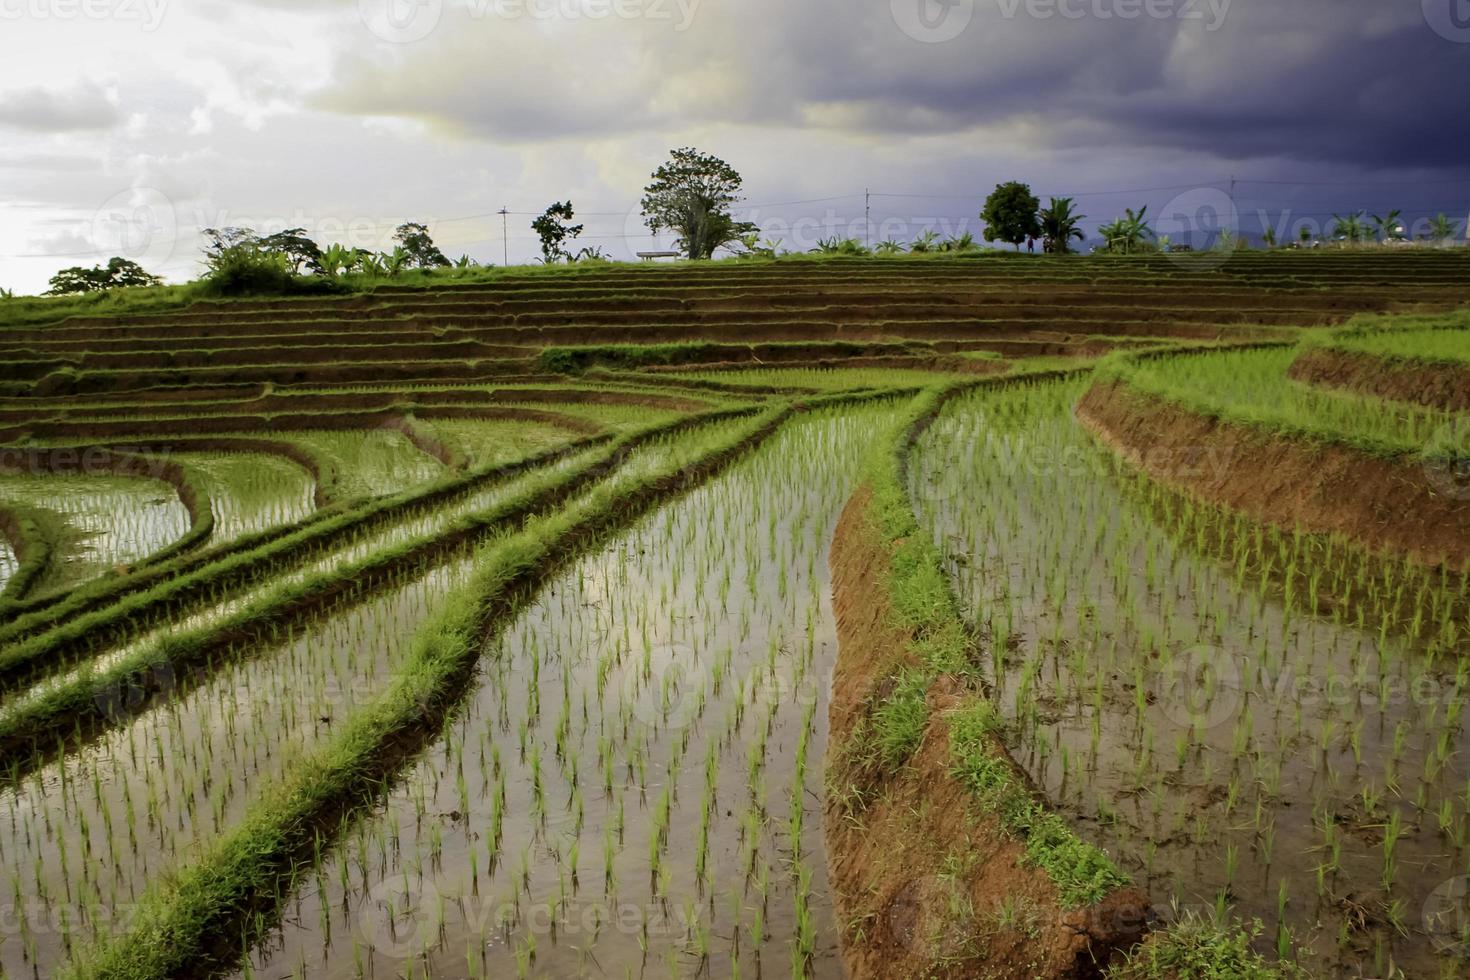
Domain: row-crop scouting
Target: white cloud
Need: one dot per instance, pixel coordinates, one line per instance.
(80, 107)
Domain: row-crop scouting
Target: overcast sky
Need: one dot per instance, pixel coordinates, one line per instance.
(128, 125)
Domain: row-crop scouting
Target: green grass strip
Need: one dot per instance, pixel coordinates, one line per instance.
(34, 535)
(924, 606)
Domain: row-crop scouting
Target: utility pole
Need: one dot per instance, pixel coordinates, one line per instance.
(867, 218)
(504, 236)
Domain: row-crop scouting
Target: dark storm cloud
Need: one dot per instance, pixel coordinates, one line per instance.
(1362, 83)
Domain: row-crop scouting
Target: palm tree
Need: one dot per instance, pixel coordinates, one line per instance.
(960, 243)
(1443, 229)
(1389, 228)
(1268, 235)
(888, 247)
(1127, 233)
(1059, 226)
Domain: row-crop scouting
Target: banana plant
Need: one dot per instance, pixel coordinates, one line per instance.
(396, 261)
(1128, 233)
(1389, 228)
(337, 259)
(1350, 228)
(1443, 228)
(925, 242)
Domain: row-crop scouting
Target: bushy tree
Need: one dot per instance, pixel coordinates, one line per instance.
(239, 262)
(300, 251)
(555, 229)
(118, 272)
(692, 195)
(421, 250)
(1010, 214)
(218, 241)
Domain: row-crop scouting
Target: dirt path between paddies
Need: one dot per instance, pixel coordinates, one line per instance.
(925, 883)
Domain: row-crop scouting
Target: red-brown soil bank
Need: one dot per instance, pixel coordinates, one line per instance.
(925, 884)
(1430, 383)
(1394, 506)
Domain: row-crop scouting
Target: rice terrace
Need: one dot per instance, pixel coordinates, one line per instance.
(967, 614)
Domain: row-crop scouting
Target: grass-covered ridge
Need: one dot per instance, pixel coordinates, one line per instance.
(1250, 387)
(923, 606)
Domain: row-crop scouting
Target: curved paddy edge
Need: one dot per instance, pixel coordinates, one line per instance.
(941, 855)
(1398, 506)
(1432, 384)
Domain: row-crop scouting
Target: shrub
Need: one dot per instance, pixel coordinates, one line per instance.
(244, 270)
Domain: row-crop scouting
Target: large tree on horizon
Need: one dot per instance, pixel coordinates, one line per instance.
(118, 272)
(693, 195)
(555, 229)
(1010, 214)
(419, 248)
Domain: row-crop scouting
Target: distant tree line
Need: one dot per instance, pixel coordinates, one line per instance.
(693, 195)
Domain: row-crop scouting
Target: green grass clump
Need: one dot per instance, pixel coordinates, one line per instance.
(35, 534)
(899, 722)
(1197, 948)
(1082, 873)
